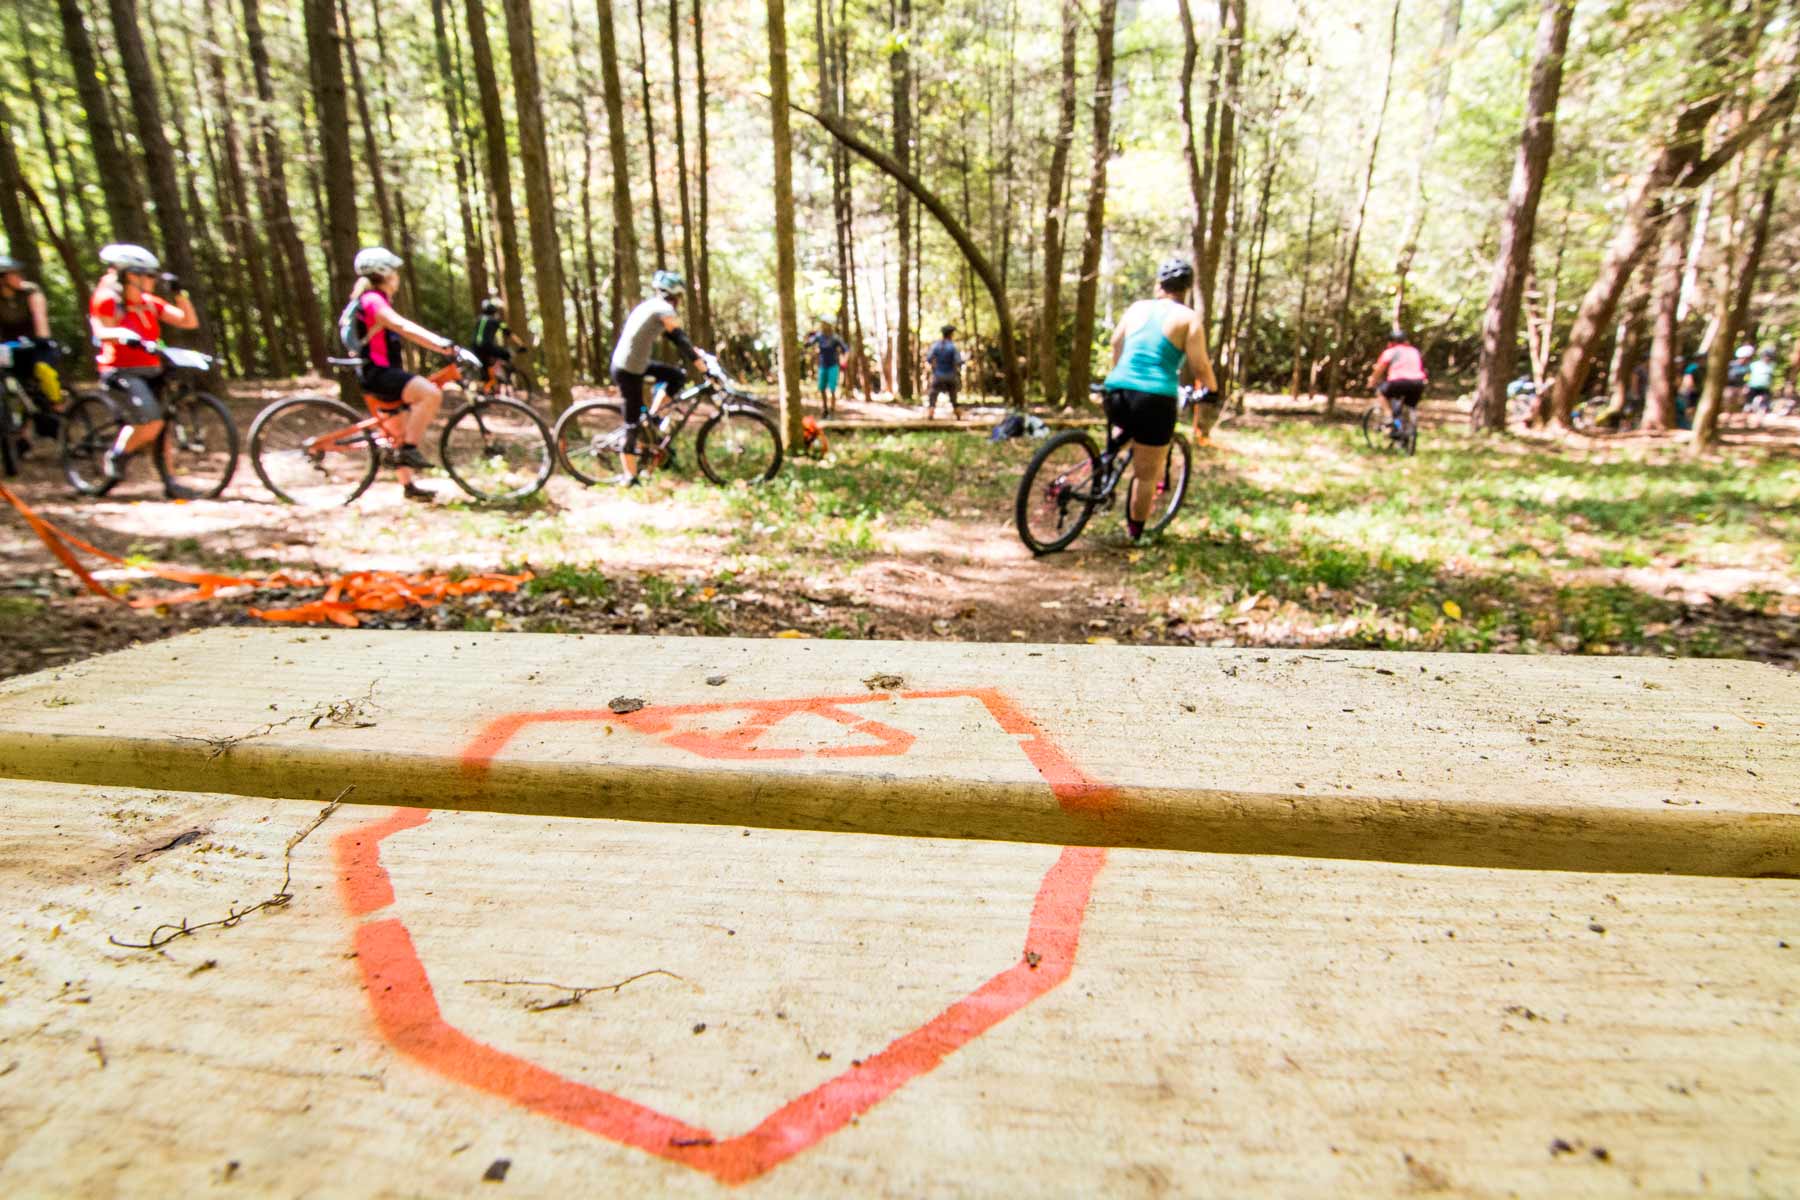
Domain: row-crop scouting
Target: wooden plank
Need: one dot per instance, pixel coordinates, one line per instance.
(1193, 1023)
(1594, 764)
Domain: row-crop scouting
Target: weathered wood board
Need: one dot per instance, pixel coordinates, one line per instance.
(860, 1015)
(1629, 764)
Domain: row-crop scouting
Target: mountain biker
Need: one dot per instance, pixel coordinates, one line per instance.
(1759, 382)
(491, 339)
(656, 316)
(1152, 342)
(370, 323)
(126, 317)
(831, 350)
(25, 323)
(946, 362)
(1399, 376)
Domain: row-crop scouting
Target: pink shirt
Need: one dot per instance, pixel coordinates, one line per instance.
(1404, 363)
(369, 304)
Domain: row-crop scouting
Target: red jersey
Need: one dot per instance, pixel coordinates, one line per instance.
(1403, 362)
(143, 318)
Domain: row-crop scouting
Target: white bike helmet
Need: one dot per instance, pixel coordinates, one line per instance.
(1746, 350)
(377, 260)
(123, 256)
(668, 283)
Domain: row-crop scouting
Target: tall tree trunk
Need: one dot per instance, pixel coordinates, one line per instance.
(788, 347)
(540, 204)
(65, 250)
(113, 166)
(1081, 363)
(449, 88)
(681, 156)
(1190, 151)
(1056, 211)
(284, 232)
(372, 164)
(1257, 238)
(1774, 165)
(1434, 115)
(703, 309)
(1231, 34)
(159, 156)
(1340, 332)
(832, 85)
(387, 121)
(333, 118)
(499, 172)
(591, 324)
(899, 68)
(53, 158)
(1665, 340)
(656, 208)
(1718, 353)
(1306, 261)
(625, 255)
(21, 238)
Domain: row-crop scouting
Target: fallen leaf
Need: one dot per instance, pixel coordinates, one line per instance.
(1049, 603)
(1453, 610)
(792, 633)
(1019, 633)
(1103, 640)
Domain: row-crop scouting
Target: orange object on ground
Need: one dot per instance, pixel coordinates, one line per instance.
(345, 595)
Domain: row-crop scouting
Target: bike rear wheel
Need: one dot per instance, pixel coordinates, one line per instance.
(303, 451)
(90, 427)
(197, 451)
(1171, 486)
(497, 450)
(12, 426)
(738, 444)
(1056, 493)
(590, 440)
(514, 383)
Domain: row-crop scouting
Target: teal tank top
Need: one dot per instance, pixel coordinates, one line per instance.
(1148, 361)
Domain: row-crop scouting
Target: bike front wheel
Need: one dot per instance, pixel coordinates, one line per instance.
(738, 444)
(197, 451)
(1057, 492)
(1377, 427)
(90, 427)
(1171, 486)
(497, 450)
(13, 416)
(590, 440)
(308, 451)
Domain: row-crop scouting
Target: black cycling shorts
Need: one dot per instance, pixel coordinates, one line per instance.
(139, 387)
(1408, 391)
(489, 355)
(1141, 417)
(631, 385)
(386, 385)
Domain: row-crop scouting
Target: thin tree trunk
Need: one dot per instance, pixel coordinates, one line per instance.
(900, 19)
(21, 238)
(703, 309)
(387, 123)
(280, 217)
(591, 324)
(1340, 339)
(1718, 353)
(1659, 395)
(1056, 211)
(1306, 261)
(449, 87)
(625, 265)
(656, 208)
(681, 168)
(112, 164)
(372, 166)
(840, 215)
(540, 203)
(333, 131)
(499, 173)
(788, 347)
(1434, 115)
(54, 158)
(1500, 321)
(1231, 33)
(72, 261)
(1773, 167)
(1190, 152)
(1257, 240)
(1087, 287)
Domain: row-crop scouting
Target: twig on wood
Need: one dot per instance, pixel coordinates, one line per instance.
(348, 712)
(575, 994)
(162, 935)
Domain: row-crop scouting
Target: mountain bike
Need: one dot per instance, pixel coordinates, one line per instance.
(196, 453)
(737, 442)
(508, 380)
(1382, 430)
(1070, 478)
(317, 452)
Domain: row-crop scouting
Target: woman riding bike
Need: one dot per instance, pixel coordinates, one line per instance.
(1155, 338)
(126, 317)
(371, 322)
(631, 364)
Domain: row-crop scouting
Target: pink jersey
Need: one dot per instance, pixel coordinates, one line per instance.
(1403, 363)
(378, 341)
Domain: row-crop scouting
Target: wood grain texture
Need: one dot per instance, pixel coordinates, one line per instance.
(1232, 1025)
(1632, 764)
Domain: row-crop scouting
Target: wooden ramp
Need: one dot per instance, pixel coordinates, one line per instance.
(447, 986)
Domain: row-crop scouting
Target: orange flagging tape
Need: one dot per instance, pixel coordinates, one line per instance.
(345, 595)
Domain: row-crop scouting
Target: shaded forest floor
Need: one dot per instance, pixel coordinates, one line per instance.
(1293, 535)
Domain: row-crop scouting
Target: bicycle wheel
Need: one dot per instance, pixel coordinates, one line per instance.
(1056, 493)
(1408, 441)
(307, 452)
(1377, 424)
(514, 383)
(497, 449)
(12, 426)
(590, 439)
(738, 444)
(90, 427)
(1171, 488)
(197, 451)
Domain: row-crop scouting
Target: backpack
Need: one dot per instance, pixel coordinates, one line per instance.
(351, 330)
(1010, 426)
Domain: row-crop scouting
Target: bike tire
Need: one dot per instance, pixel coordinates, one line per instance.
(589, 439)
(90, 427)
(1172, 490)
(1375, 425)
(189, 418)
(10, 428)
(295, 473)
(1059, 500)
(497, 450)
(746, 446)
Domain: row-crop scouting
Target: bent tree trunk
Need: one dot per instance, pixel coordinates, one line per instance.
(1015, 377)
(1500, 323)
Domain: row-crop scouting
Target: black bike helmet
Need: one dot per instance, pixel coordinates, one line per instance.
(1175, 275)
(490, 307)
(1396, 334)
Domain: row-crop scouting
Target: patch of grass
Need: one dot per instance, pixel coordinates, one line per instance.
(16, 610)
(567, 579)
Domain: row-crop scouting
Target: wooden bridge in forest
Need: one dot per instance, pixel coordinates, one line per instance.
(347, 912)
